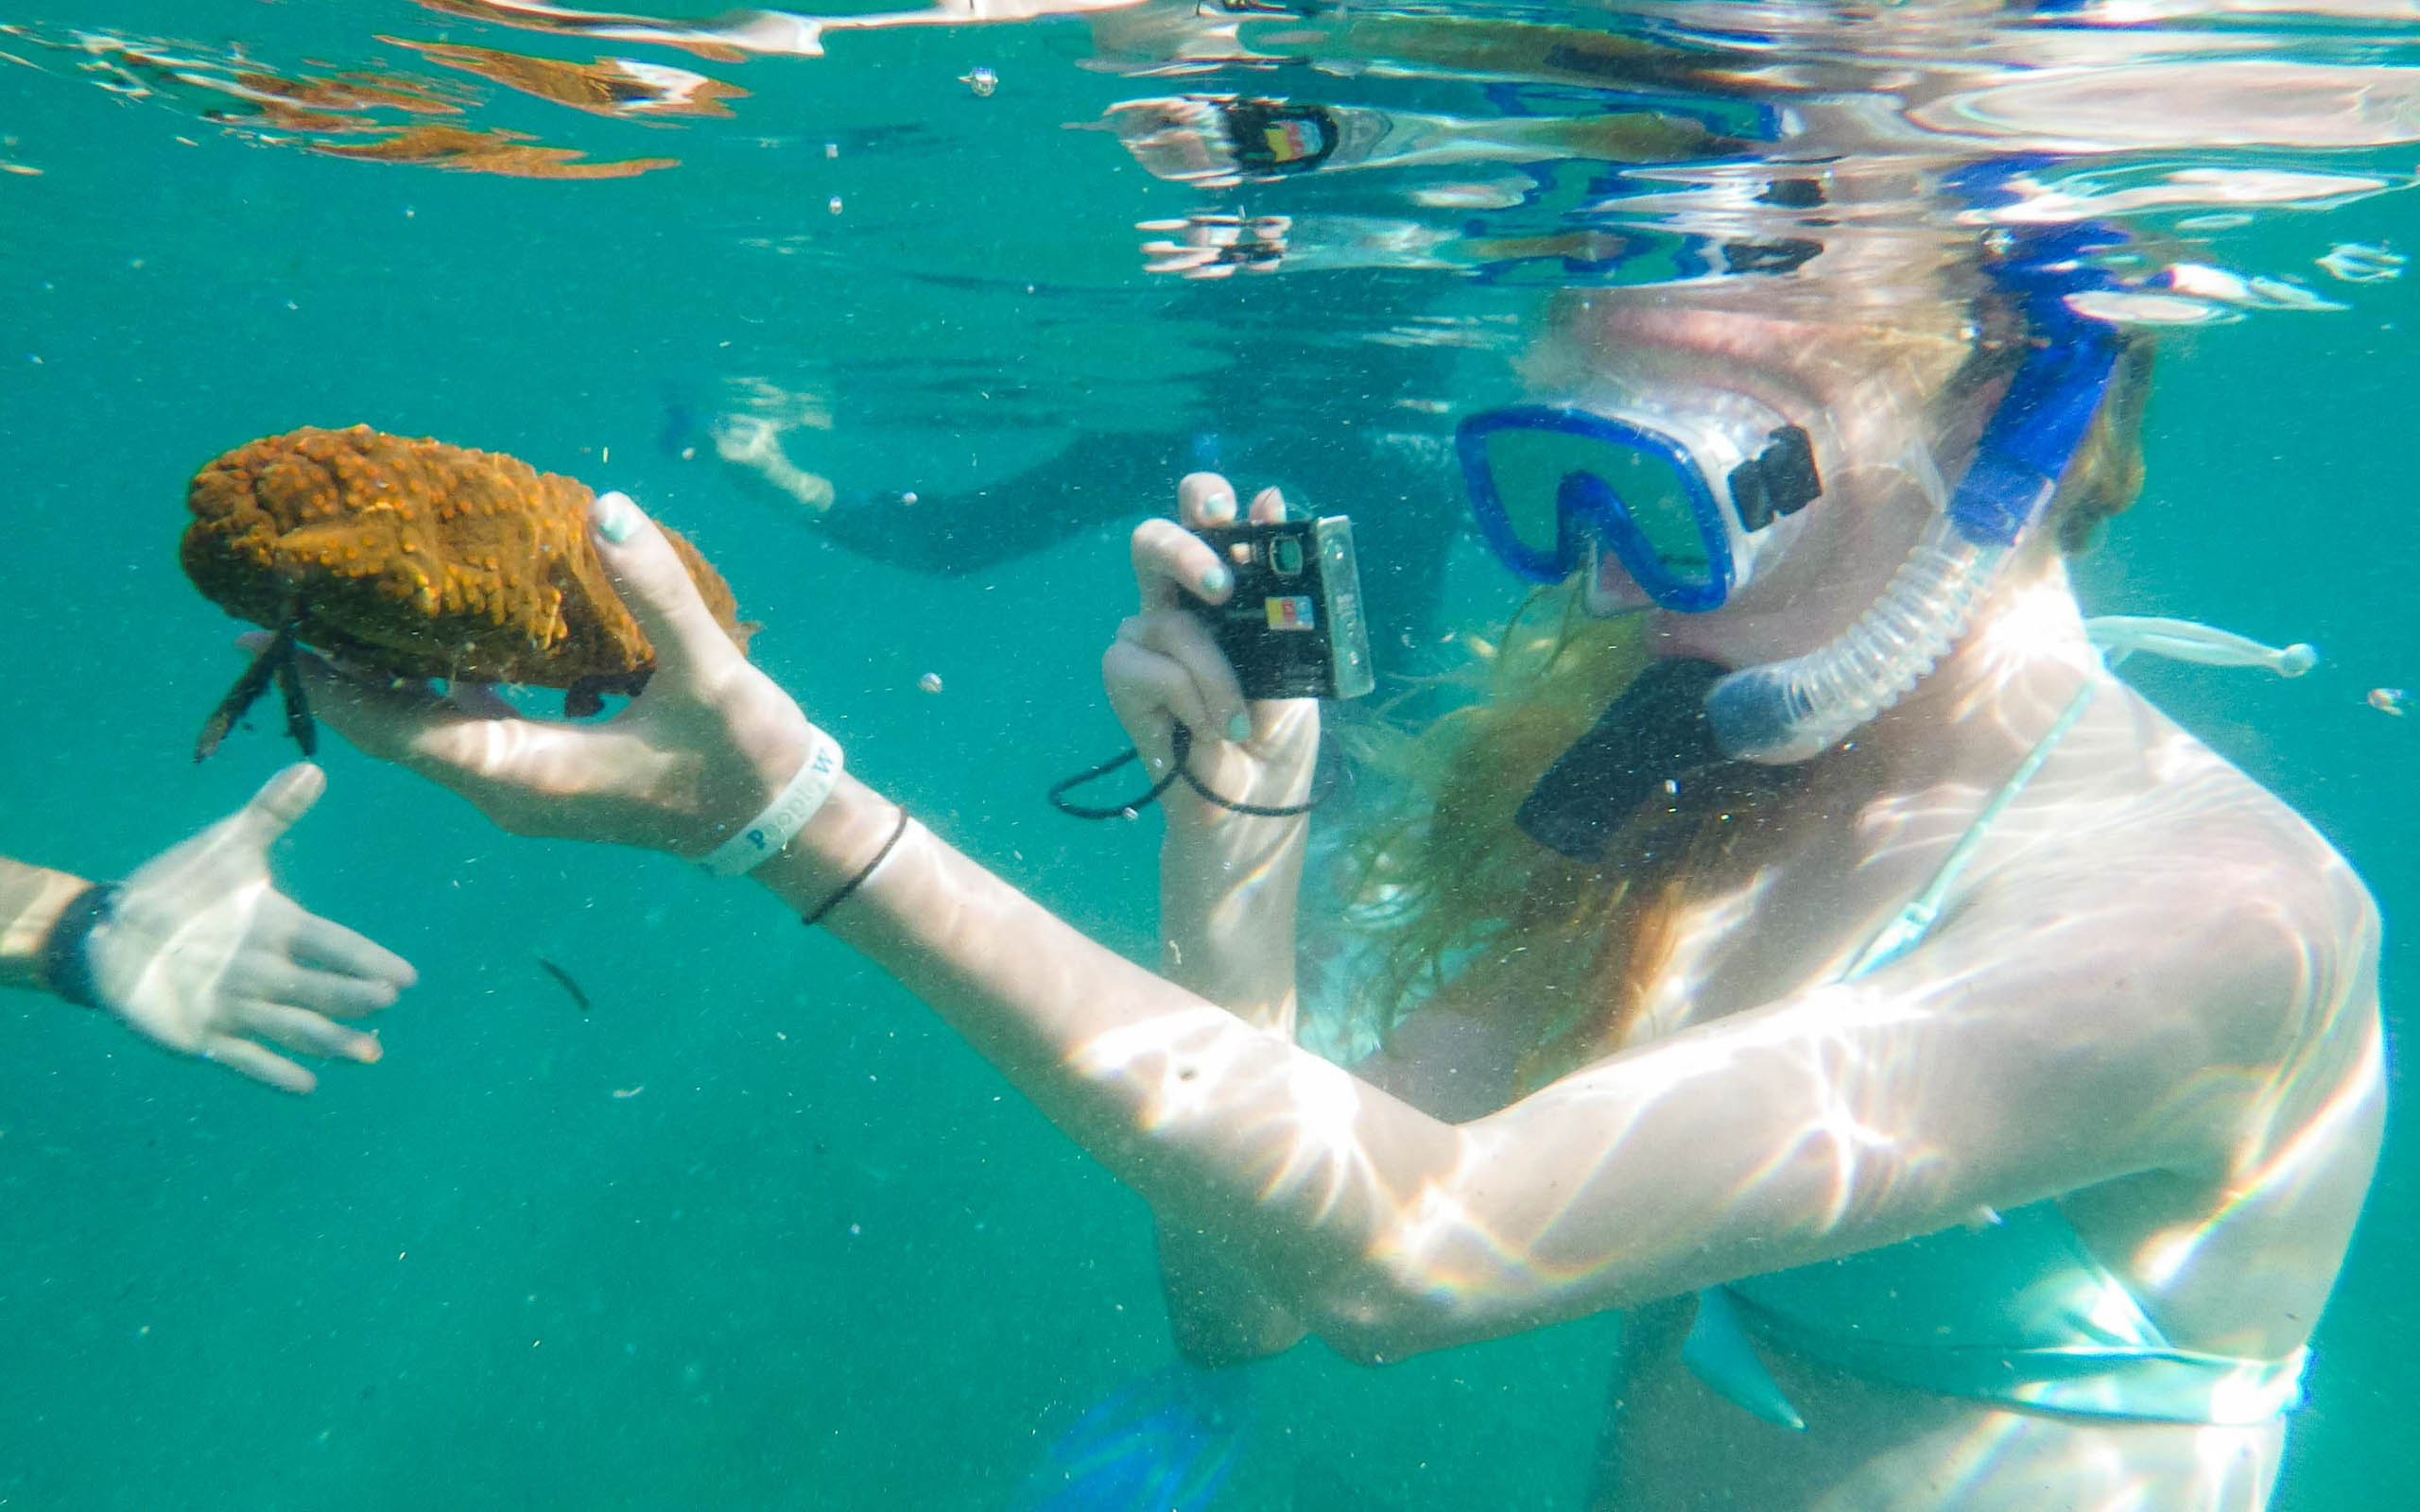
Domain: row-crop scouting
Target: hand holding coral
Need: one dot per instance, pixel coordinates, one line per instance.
(700, 751)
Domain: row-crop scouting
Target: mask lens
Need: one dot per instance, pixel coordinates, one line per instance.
(1660, 505)
(1528, 467)
(1544, 482)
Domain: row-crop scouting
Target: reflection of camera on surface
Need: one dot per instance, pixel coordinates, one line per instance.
(1216, 246)
(1292, 628)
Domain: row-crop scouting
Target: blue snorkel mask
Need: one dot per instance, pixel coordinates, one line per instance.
(1687, 494)
(1793, 709)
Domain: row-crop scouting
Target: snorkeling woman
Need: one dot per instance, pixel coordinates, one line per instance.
(1966, 1079)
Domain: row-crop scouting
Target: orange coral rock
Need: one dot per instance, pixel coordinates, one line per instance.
(419, 559)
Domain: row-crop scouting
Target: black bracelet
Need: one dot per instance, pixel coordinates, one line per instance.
(863, 872)
(66, 963)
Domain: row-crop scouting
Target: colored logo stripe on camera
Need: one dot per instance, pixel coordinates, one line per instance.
(1292, 613)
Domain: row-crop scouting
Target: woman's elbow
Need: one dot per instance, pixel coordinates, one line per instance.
(1215, 1341)
(1377, 1314)
(1385, 1323)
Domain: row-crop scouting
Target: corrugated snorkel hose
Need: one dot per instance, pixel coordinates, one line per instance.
(1794, 709)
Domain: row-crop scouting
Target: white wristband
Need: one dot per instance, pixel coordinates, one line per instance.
(784, 816)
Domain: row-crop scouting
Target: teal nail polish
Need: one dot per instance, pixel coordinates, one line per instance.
(1218, 580)
(614, 516)
(1239, 728)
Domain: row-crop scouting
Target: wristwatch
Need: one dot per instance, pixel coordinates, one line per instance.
(65, 966)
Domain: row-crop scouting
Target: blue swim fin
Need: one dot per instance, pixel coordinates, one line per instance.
(1162, 1441)
(1717, 1350)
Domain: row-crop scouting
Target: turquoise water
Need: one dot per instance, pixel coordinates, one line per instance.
(755, 1231)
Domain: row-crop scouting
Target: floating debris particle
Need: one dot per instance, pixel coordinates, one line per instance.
(834, 205)
(930, 682)
(2389, 700)
(622, 1095)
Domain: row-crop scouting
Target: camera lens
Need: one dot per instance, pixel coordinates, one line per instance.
(1286, 556)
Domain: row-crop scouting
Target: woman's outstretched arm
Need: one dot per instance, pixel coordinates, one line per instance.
(2024, 1054)
(1228, 881)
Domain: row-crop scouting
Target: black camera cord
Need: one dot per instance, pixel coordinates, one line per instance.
(1179, 768)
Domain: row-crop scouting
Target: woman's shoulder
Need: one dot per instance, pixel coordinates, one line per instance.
(2152, 824)
(2176, 904)
(2211, 814)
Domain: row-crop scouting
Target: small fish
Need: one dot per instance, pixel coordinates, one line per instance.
(930, 682)
(979, 82)
(579, 997)
(2389, 700)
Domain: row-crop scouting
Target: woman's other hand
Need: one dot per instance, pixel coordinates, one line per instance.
(1166, 669)
(203, 954)
(700, 752)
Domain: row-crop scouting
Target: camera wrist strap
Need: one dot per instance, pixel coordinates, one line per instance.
(1178, 768)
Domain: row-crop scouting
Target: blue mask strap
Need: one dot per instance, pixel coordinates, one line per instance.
(2050, 403)
(2034, 434)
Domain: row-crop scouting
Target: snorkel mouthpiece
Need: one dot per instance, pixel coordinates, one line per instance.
(1657, 732)
(1795, 710)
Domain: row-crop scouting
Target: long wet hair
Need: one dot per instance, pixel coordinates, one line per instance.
(1462, 907)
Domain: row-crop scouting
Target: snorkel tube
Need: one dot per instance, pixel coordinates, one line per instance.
(1794, 709)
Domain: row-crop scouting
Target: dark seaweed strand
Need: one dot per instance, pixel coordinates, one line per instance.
(299, 723)
(578, 997)
(275, 659)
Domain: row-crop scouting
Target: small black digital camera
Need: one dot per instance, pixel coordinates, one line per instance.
(1293, 627)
